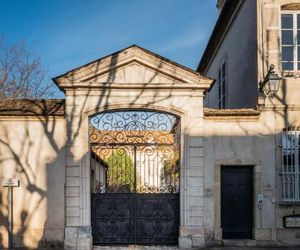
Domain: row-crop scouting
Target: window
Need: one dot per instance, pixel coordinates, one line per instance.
(291, 165)
(222, 85)
(290, 40)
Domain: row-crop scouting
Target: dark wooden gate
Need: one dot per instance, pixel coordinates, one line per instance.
(135, 218)
(136, 195)
(236, 202)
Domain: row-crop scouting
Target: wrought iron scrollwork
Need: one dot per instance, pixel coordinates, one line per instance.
(133, 127)
(140, 150)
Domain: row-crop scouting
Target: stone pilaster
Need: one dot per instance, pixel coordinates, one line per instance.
(77, 202)
(192, 228)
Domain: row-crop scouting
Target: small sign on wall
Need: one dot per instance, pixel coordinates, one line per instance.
(291, 221)
(10, 182)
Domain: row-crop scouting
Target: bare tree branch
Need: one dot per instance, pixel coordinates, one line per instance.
(22, 74)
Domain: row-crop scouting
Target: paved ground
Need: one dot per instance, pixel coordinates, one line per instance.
(208, 248)
(172, 248)
(133, 247)
(252, 248)
(176, 248)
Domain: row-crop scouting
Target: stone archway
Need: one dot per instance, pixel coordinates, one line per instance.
(133, 78)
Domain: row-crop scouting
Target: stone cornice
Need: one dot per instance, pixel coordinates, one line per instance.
(231, 114)
(105, 85)
(281, 108)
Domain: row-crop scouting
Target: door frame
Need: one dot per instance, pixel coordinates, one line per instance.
(256, 175)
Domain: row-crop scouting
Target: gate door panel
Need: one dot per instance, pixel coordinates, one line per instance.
(113, 218)
(135, 190)
(157, 219)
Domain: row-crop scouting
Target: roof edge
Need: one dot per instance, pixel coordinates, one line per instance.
(32, 107)
(225, 18)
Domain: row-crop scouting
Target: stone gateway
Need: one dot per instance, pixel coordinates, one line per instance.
(145, 151)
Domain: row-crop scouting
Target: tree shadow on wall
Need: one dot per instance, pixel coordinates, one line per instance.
(30, 152)
(39, 143)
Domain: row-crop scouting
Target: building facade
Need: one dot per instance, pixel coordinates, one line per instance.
(143, 150)
(248, 39)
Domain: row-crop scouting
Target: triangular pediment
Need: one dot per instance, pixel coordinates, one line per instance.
(133, 66)
(134, 72)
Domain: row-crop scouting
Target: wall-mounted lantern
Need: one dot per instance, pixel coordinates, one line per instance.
(268, 86)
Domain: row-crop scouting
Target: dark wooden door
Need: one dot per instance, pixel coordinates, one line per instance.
(236, 202)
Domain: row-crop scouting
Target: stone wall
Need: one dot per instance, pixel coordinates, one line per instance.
(246, 140)
(32, 150)
(238, 141)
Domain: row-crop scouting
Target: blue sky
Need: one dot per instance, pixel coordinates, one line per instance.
(66, 34)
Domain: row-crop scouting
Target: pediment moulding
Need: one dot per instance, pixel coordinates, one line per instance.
(291, 6)
(133, 67)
